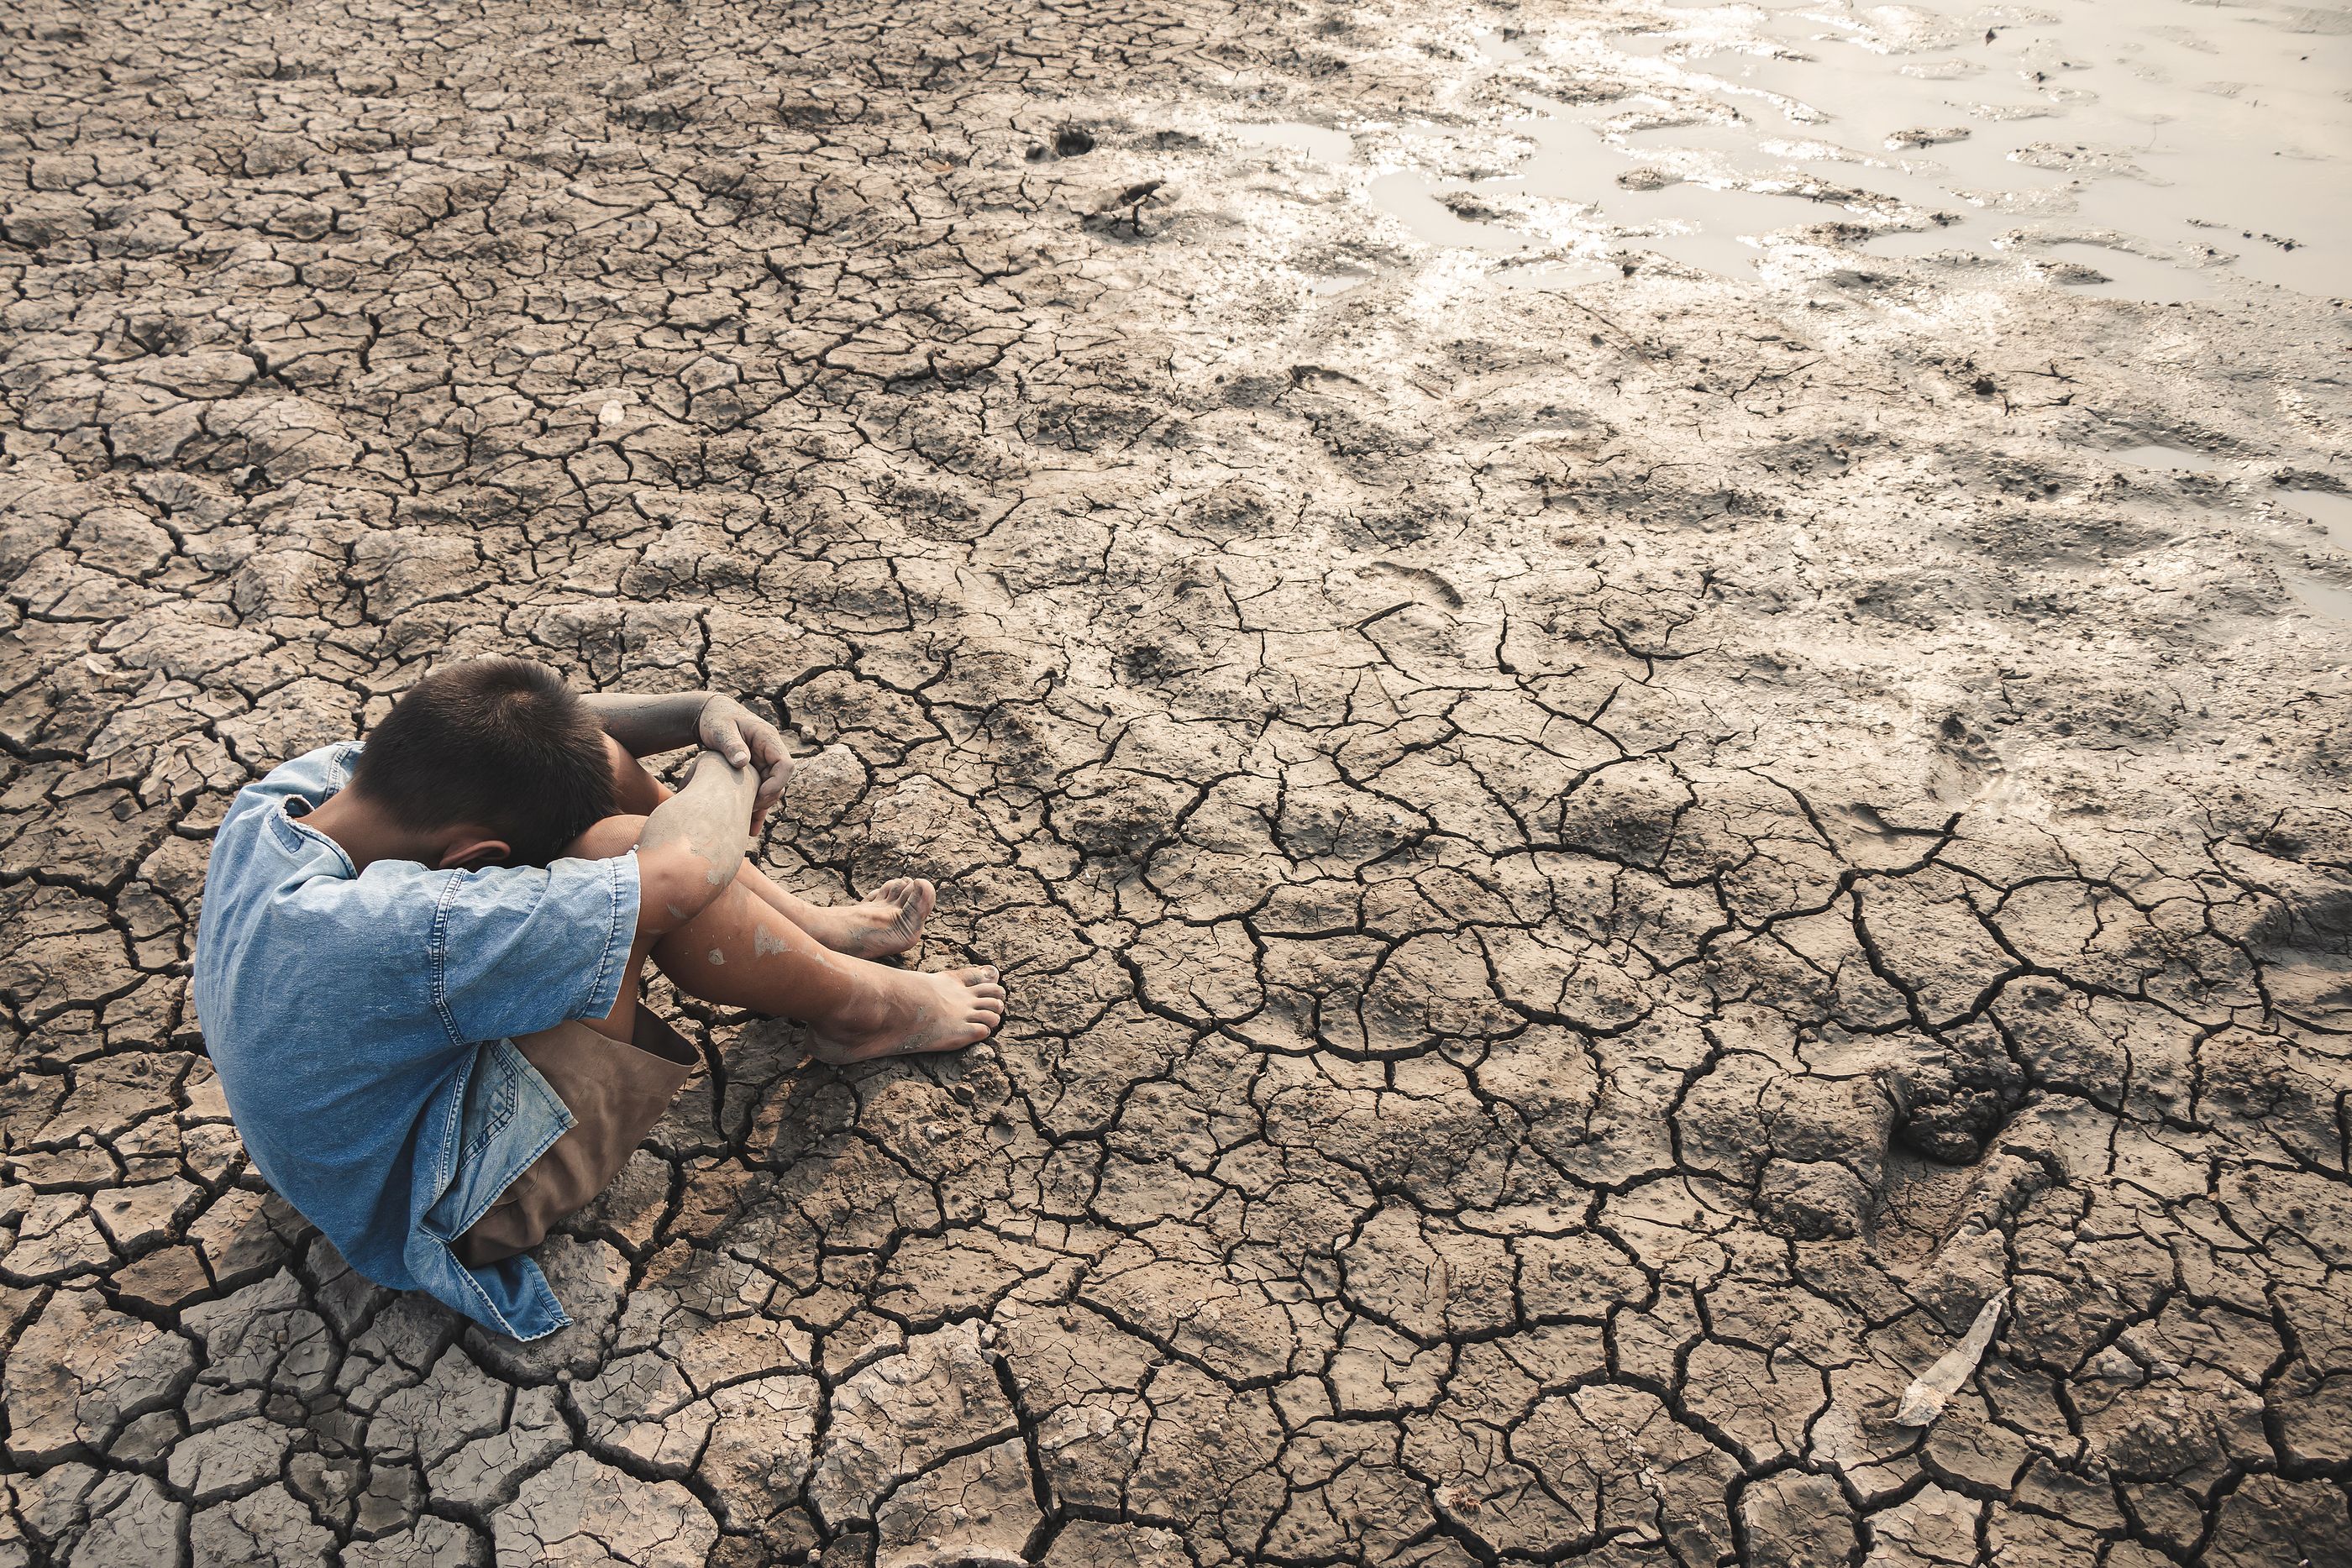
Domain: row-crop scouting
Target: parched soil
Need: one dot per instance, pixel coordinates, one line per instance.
(1585, 873)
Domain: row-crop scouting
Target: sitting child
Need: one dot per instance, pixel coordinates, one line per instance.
(417, 966)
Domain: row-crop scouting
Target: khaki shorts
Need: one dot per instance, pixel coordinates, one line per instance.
(615, 1094)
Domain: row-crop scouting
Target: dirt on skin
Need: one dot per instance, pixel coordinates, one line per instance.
(1585, 872)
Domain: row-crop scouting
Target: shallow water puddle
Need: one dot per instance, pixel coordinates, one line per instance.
(2332, 510)
(1412, 199)
(1323, 143)
(1703, 223)
(2127, 275)
(1416, 201)
(2186, 125)
(1340, 279)
(2322, 598)
(1496, 46)
(2154, 454)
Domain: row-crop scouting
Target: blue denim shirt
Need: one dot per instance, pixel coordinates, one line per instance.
(358, 1021)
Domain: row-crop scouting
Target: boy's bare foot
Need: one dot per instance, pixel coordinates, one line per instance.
(889, 921)
(903, 1013)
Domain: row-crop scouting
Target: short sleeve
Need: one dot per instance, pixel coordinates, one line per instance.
(516, 949)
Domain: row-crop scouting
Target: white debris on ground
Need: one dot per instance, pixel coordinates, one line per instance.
(1926, 1398)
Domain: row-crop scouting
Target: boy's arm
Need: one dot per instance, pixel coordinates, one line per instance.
(694, 843)
(646, 725)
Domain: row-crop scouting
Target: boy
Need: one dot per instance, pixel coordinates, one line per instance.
(417, 966)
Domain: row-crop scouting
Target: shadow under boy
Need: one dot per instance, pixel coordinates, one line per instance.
(418, 962)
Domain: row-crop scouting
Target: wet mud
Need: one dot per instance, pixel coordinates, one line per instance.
(1634, 725)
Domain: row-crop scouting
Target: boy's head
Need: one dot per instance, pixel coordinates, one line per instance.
(502, 745)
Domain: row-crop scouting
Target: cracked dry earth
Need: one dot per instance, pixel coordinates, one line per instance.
(1584, 874)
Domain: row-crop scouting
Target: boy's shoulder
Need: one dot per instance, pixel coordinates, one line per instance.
(314, 774)
(260, 844)
(294, 787)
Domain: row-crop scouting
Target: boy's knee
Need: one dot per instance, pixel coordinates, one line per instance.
(609, 837)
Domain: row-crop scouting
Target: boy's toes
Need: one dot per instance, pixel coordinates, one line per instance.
(983, 997)
(982, 989)
(889, 921)
(914, 897)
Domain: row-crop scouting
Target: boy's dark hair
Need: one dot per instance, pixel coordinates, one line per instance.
(501, 742)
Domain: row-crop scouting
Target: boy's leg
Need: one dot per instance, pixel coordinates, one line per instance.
(890, 921)
(742, 952)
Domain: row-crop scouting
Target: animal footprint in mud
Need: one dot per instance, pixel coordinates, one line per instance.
(1965, 763)
(1422, 582)
(1069, 142)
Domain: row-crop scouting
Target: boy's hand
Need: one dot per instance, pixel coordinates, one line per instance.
(747, 740)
